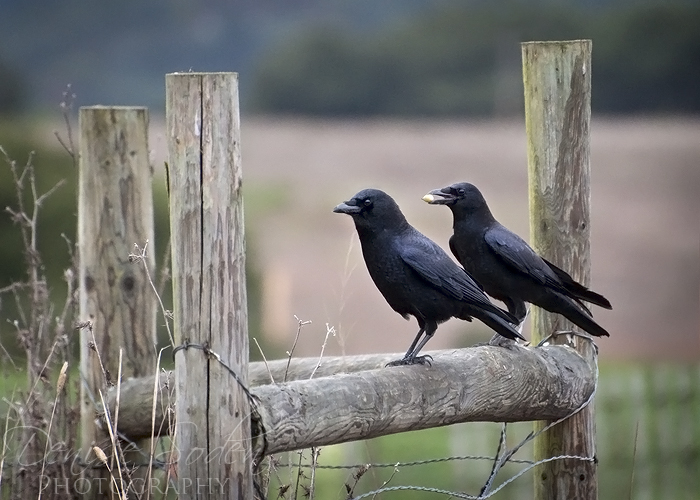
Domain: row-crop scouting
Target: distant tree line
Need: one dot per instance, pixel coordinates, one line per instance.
(464, 60)
(12, 90)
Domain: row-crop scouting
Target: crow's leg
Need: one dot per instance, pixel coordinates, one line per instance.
(407, 357)
(518, 309)
(522, 321)
(412, 356)
(415, 341)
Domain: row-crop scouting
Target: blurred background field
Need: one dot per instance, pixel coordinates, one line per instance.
(405, 96)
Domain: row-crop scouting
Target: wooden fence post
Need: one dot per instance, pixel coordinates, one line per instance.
(115, 210)
(213, 436)
(557, 79)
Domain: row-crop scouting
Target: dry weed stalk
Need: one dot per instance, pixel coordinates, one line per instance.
(40, 428)
(309, 487)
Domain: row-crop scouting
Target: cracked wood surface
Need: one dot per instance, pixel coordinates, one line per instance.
(557, 82)
(209, 288)
(115, 211)
(356, 397)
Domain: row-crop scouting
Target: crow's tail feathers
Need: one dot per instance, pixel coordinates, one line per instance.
(572, 310)
(489, 307)
(586, 322)
(577, 290)
(583, 293)
(499, 325)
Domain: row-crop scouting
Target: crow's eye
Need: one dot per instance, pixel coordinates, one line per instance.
(367, 203)
(461, 191)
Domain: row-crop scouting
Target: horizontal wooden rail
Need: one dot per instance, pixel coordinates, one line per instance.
(355, 397)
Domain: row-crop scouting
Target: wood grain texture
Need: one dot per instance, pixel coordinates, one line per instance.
(115, 211)
(557, 80)
(137, 393)
(365, 400)
(209, 289)
(477, 384)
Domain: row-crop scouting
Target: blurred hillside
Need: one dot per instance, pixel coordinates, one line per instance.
(345, 57)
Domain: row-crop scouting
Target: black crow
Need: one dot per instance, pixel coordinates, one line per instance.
(506, 267)
(415, 276)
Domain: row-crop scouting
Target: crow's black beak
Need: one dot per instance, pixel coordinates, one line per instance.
(344, 208)
(438, 197)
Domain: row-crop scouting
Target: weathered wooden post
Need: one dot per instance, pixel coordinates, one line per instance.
(115, 210)
(213, 436)
(557, 78)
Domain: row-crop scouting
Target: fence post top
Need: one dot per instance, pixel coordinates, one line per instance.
(583, 41)
(114, 108)
(233, 74)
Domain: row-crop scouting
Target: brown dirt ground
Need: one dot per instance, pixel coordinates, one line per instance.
(645, 220)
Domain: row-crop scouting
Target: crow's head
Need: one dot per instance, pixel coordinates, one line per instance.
(372, 207)
(462, 194)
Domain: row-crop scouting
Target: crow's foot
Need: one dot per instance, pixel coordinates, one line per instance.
(417, 360)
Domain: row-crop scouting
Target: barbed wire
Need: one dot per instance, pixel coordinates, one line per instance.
(429, 461)
(506, 456)
(503, 455)
(252, 398)
(457, 494)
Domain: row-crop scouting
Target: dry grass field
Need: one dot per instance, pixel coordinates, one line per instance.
(645, 223)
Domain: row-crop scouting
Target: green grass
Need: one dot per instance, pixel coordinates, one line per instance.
(12, 383)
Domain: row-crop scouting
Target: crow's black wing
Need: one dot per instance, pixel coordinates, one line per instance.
(517, 254)
(433, 265)
(453, 248)
(463, 259)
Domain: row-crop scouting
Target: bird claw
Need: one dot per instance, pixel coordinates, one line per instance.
(422, 360)
(501, 341)
(417, 360)
(570, 334)
(398, 362)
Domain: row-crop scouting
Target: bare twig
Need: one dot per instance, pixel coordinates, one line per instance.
(269, 372)
(140, 256)
(8, 356)
(116, 406)
(634, 457)
(290, 353)
(43, 338)
(385, 483)
(66, 109)
(348, 270)
(59, 389)
(164, 275)
(121, 489)
(315, 452)
(300, 474)
(330, 330)
(103, 458)
(4, 448)
(151, 454)
(356, 476)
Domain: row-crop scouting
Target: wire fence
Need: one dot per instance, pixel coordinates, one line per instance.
(648, 425)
